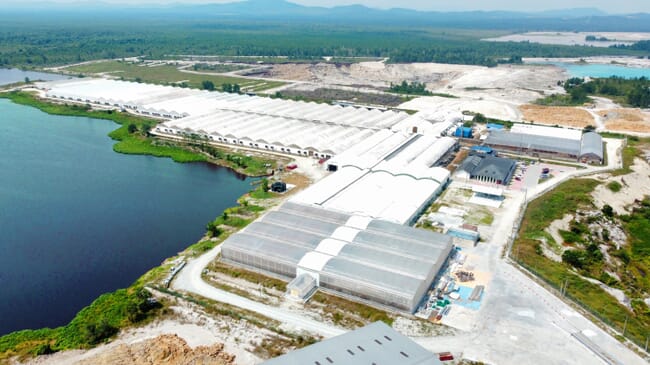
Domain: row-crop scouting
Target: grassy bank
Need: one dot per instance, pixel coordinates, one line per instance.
(133, 306)
(568, 198)
(132, 137)
(93, 325)
(168, 75)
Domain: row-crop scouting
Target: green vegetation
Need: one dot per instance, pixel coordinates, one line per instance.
(348, 313)
(250, 276)
(94, 324)
(633, 92)
(482, 119)
(128, 142)
(586, 257)
(413, 88)
(324, 95)
(217, 68)
(166, 74)
(637, 255)
(207, 85)
(614, 186)
(133, 137)
(231, 88)
(40, 39)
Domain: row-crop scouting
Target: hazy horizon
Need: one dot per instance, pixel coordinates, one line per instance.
(628, 6)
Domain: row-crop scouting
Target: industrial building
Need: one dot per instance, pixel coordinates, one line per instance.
(548, 142)
(488, 168)
(376, 343)
(382, 263)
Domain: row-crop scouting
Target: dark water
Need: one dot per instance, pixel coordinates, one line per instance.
(78, 220)
(11, 75)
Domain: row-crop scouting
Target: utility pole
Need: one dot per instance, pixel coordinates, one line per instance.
(625, 325)
(646, 344)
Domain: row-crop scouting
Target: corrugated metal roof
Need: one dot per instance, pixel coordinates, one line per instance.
(592, 143)
(376, 343)
(529, 141)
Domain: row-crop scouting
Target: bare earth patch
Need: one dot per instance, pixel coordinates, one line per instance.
(561, 115)
(626, 120)
(635, 185)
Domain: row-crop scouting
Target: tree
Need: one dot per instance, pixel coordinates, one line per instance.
(265, 185)
(27, 80)
(132, 128)
(574, 258)
(479, 118)
(213, 229)
(94, 333)
(608, 211)
(146, 128)
(207, 85)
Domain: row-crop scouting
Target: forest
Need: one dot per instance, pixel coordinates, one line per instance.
(632, 92)
(38, 41)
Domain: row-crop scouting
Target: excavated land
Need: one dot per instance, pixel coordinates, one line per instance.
(626, 120)
(561, 115)
(164, 349)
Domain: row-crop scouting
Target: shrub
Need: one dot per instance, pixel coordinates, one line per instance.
(614, 186)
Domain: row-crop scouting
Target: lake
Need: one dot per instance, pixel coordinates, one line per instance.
(78, 220)
(11, 75)
(602, 70)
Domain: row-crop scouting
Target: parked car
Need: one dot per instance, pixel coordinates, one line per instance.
(292, 166)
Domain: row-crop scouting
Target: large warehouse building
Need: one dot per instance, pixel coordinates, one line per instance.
(376, 343)
(549, 142)
(380, 262)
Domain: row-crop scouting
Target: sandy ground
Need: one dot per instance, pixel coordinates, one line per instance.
(636, 185)
(628, 61)
(191, 325)
(626, 120)
(572, 38)
(495, 92)
(552, 115)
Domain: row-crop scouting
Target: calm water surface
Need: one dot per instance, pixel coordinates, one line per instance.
(11, 75)
(602, 70)
(78, 220)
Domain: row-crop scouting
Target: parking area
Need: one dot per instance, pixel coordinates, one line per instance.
(530, 173)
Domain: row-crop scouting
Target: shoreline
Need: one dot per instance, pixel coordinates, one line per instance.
(140, 144)
(112, 312)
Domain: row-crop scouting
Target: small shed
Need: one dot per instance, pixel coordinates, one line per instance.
(464, 132)
(279, 187)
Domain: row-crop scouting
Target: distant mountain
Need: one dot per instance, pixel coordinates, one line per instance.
(580, 19)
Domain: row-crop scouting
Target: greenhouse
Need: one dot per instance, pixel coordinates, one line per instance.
(388, 176)
(272, 125)
(378, 262)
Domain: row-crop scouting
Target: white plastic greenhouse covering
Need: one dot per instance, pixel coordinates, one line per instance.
(383, 263)
(283, 126)
(384, 177)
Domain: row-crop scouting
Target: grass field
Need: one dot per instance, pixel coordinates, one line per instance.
(167, 74)
(567, 198)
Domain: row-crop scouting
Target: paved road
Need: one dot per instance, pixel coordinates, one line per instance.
(518, 321)
(189, 279)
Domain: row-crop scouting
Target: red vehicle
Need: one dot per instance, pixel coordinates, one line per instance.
(445, 356)
(292, 166)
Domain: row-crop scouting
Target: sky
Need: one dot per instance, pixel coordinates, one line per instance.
(616, 7)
